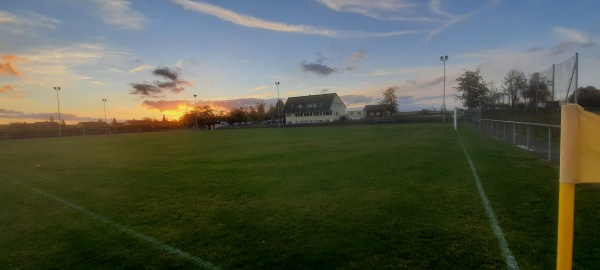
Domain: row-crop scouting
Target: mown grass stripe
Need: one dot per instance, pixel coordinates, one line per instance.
(511, 262)
(140, 236)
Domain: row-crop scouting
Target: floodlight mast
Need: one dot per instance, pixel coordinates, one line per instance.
(444, 59)
(57, 88)
(104, 101)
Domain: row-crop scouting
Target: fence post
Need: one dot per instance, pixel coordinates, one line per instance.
(527, 136)
(498, 130)
(549, 144)
(514, 133)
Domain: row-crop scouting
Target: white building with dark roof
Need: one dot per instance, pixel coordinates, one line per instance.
(314, 109)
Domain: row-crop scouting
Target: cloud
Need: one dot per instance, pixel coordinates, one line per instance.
(367, 6)
(392, 10)
(50, 65)
(357, 55)
(402, 100)
(433, 82)
(6, 88)
(435, 6)
(12, 114)
(253, 22)
(351, 100)
(258, 88)
(321, 58)
(7, 68)
(572, 35)
(155, 89)
(562, 47)
(119, 13)
(4, 112)
(167, 105)
(167, 73)
(29, 19)
(140, 68)
(573, 38)
(145, 89)
(319, 69)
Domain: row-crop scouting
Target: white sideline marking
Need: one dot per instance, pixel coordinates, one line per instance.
(155, 243)
(511, 263)
(525, 148)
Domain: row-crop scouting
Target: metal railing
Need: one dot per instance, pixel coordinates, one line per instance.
(543, 139)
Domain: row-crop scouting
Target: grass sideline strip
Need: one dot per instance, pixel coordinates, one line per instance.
(140, 236)
(511, 263)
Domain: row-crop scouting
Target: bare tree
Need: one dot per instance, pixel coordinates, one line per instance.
(513, 83)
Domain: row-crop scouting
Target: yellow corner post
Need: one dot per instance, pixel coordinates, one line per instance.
(566, 218)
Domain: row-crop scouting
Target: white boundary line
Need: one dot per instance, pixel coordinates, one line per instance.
(144, 238)
(511, 263)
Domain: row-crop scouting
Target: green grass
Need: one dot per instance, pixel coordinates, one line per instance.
(351, 197)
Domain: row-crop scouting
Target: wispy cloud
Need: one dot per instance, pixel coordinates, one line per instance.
(356, 100)
(119, 13)
(29, 19)
(7, 68)
(433, 82)
(140, 68)
(6, 88)
(19, 115)
(258, 88)
(392, 10)
(357, 55)
(435, 6)
(571, 39)
(572, 35)
(253, 22)
(431, 12)
(48, 65)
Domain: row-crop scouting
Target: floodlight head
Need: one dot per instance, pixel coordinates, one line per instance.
(446, 57)
(441, 58)
(276, 83)
(194, 95)
(57, 88)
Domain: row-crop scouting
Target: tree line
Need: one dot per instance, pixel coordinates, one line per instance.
(203, 116)
(518, 89)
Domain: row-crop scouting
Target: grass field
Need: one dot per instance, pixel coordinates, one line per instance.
(351, 197)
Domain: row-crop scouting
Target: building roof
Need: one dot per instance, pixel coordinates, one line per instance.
(316, 103)
(374, 108)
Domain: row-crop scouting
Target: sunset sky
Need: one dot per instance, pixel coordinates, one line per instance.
(148, 58)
